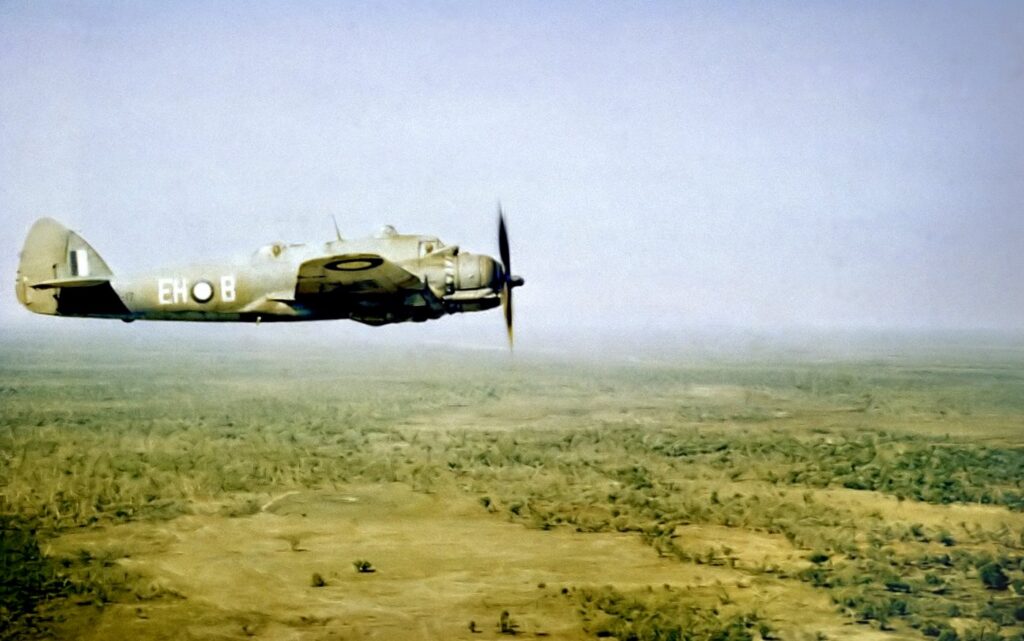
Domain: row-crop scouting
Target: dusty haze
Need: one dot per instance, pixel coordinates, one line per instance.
(666, 168)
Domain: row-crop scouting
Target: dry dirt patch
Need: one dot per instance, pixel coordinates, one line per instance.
(441, 561)
(746, 548)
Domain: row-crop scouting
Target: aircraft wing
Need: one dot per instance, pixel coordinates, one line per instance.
(356, 274)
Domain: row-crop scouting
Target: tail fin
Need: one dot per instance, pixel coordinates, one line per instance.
(54, 258)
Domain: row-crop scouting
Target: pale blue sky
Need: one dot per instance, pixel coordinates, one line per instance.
(663, 165)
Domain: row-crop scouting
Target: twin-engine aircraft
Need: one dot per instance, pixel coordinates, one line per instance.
(387, 278)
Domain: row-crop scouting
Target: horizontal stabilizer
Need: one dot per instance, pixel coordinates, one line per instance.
(54, 283)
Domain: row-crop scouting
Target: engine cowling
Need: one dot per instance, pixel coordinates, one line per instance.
(471, 282)
(475, 271)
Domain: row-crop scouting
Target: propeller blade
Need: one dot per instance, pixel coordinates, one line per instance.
(506, 306)
(506, 263)
(506, 258)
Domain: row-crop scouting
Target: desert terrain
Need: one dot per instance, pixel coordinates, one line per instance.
(273, 492)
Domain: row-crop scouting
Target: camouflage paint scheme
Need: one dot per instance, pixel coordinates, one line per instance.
(387, 278)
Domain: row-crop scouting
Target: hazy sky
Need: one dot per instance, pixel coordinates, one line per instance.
(662, 164)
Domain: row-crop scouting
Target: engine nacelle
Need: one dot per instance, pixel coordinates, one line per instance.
(475, 271)
(467, 282)
(465, 272)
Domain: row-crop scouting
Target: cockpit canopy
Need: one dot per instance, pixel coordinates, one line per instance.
(429, 245)
(407, 245)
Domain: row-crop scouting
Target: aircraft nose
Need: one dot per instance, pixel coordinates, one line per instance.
(475, 271)
(497, 273)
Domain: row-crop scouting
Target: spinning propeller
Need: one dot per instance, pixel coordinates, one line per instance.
(509, 282)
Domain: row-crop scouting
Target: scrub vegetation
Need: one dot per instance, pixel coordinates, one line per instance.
(784, 497)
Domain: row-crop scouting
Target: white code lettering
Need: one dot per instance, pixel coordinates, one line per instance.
(227, 288)
(179, 290)
(163, 291)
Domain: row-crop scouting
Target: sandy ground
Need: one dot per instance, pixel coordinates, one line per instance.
(441, 562)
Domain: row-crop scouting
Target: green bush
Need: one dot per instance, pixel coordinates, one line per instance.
(27, 578)
(361, 565)
(992, 575)
(948, 634)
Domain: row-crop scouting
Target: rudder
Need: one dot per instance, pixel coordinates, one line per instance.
(54, 258)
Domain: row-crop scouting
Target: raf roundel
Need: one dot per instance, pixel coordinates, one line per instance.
(202, 291)
(355, 264)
